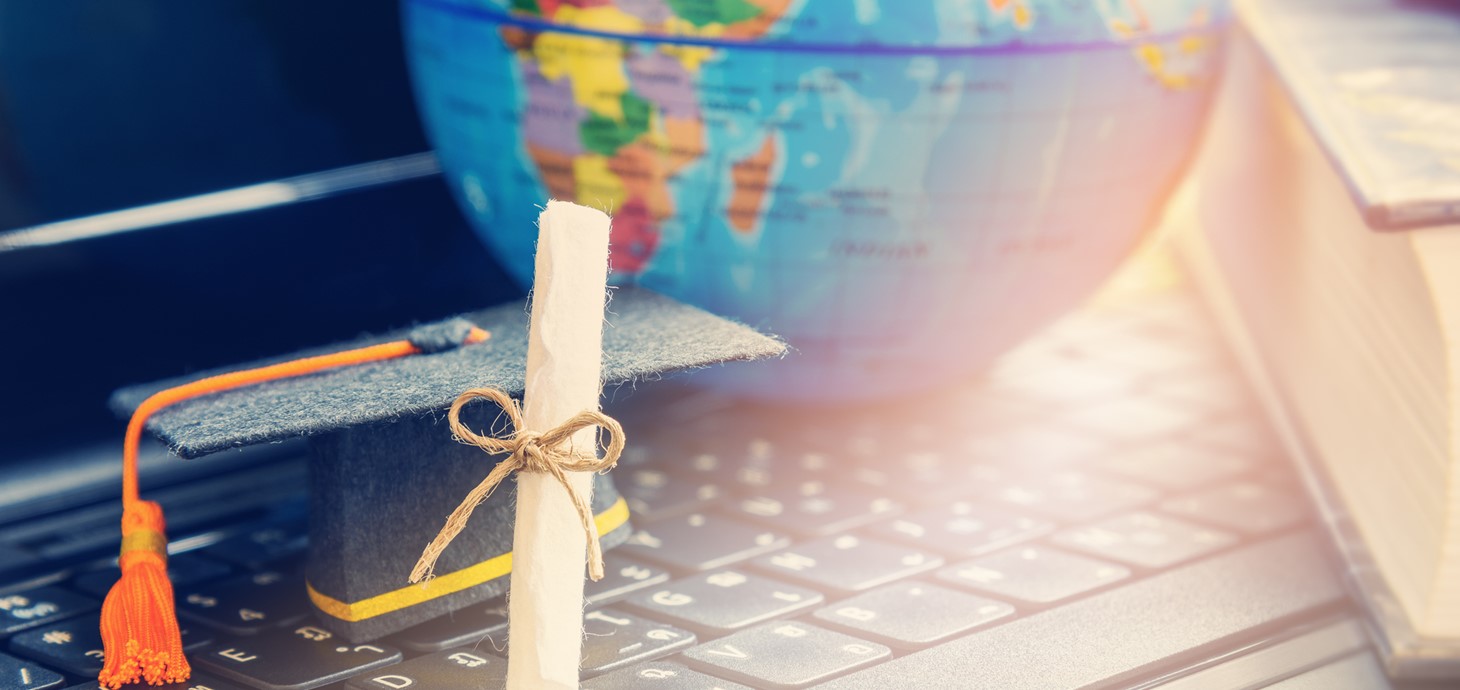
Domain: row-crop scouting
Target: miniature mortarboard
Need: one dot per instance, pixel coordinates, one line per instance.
(383, 467)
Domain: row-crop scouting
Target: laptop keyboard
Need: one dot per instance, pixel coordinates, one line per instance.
(1111, 461)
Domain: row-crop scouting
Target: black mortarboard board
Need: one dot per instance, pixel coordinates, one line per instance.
(385, 471)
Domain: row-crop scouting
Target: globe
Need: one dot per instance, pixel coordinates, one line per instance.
(901, 190)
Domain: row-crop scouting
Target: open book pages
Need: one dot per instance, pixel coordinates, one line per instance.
(1356, 331)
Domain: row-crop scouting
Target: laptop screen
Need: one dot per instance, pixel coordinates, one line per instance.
(109, 105)
(98, 114)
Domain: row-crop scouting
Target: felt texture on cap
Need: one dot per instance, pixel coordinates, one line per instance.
(645, 334)
(378, 494)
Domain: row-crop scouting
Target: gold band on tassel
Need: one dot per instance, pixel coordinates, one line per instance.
(145, 540)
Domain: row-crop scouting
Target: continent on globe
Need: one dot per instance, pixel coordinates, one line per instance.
(752, 176)
(635, 121)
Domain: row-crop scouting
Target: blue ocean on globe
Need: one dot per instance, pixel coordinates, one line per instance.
(901, 190)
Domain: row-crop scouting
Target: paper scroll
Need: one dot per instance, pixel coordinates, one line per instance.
(564, 357)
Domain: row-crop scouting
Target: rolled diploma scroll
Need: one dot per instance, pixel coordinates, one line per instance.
(564, 358)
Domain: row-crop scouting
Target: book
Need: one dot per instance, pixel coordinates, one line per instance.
(1352, 337)
(1375, 81)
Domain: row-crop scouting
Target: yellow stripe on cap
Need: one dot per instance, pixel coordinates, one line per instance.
(609, 520)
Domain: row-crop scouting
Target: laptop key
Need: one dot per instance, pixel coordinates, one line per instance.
(68, 646)
(913, 614)
(74, 645)
(246, 604)
(622, 576)
(1035, 574)
(264, 547)
(848, 563)
(786, 654)
(1176, 465)
(184, 569)
(614, 639)
(15, 562)
(1037, 442)
(760, 468)
(963, 528)
(752, 478)
(653, 494)
(477, 627)
(723, 601)
(1250, 507)
(813, 510)
(701, 541)
(1145, 539)
(1136, 418)
(1071, 495)
(293, 659)
(448, 670)
(16, 674)
(659, 675)
(198, 681)
(919, 485)
(40, 606)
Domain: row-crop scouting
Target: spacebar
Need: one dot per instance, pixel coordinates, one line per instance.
(1110, 637)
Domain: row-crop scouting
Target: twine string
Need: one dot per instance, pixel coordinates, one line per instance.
(549, 452)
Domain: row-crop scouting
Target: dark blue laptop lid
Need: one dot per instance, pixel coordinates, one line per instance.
(106, 106)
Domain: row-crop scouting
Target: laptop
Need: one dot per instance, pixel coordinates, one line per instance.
(1106, 507)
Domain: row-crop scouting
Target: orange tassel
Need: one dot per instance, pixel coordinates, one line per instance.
(139, 630)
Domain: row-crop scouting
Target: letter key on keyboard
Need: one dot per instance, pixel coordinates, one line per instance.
(785, 654)
(23, 675)
(724, 600)
(913, 614)
(479, 626)
(246, 604)
(701, 541)
(1248, 506)
(35, 607)
(659, 675)
(452, 669)
(198, 681)
(815, 510)
(622, 576)
(654, 494)
(1071, 495)
(266, 547)
(1035, 574)
(1145, 539)
(293, 659)
(963, 528)
(848, 563)
(1177, 465)
(614, 639)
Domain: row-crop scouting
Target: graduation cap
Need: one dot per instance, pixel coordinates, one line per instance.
(384, 469)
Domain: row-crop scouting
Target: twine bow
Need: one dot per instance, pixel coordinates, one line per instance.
(529, 451)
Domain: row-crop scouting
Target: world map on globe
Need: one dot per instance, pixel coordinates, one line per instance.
(902, 190)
